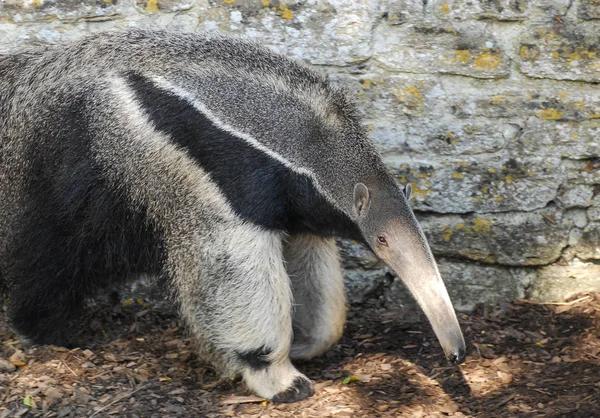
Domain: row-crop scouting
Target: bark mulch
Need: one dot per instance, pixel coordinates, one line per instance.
(524, 360)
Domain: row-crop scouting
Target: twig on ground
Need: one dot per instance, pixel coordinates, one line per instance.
(120, 398)
(573, 302)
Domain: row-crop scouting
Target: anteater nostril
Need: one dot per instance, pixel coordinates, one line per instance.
(457, 357)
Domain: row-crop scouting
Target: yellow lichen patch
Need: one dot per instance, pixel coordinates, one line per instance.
(152, 6)
(576, 135)
(228, 1)
(445, 8)
(463, 55)
(508, 179)
(367, 83)
(492, 170)
(594, 116)
(497, 99)
(524, 52)
(485, 190)
(499, 198)
(411, 96)
(481, 225)
(282, 6)
(419, 192)
(555, 55)
(265, 3)
(487, 61)
(447, 232)
(457, 175)
(460, 226)
(287, 14)
(574, 56)
(550, 114)
(562, 94)
(38, 4)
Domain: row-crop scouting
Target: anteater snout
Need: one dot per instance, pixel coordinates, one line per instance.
(457, 357)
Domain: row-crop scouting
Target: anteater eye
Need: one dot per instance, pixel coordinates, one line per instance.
(382, 239)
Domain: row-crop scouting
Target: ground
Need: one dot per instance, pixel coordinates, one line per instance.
(524, 360)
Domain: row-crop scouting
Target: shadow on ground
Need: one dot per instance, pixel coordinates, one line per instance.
(524, 360)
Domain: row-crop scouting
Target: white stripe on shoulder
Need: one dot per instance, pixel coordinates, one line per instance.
(202, 108)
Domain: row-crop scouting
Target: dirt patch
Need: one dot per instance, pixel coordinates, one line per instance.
(524, 360)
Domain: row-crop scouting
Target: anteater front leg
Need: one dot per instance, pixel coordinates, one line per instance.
(237, 300)
(313, 265)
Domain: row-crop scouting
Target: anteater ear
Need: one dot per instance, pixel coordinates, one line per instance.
(362, 199)
(407, 190)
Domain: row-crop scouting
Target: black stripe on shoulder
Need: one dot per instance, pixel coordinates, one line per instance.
(259, 188)
(253, 182)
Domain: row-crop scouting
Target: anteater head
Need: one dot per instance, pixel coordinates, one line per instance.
(390, 228)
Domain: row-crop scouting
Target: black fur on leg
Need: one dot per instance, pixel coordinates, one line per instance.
(301, 389)
(256, 359)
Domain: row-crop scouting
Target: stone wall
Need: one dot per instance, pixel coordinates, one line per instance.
(490, 108)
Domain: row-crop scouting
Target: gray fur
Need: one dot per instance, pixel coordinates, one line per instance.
(319, 298)
(239, 286)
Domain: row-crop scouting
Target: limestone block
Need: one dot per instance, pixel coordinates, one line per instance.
(546, 104)
(436, 139)
(402, 11)
(585, 171)
(575, 196)
(330, 32)
(409, 113)
(42, 10)
(516, 238)
(156, 6)
(575, 140)
(362, 285)
(593, 212)
(557, 283)
(478, 9)
(589, 9)
(552, 8)
(422, 48)
(495, 184)
(588, 246)
(469, 284)
(393, 96)
(356, 255)
(571, 53)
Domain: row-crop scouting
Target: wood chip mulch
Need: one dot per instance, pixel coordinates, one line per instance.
(135, 360)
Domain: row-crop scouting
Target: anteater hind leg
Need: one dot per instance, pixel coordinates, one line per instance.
(237, 300)
(319, 297)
